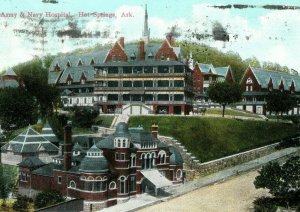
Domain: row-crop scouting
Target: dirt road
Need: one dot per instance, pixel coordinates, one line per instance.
(236, 194)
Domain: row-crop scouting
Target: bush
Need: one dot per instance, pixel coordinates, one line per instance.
(47, 198)
(84, 117)
(265, 204)
(22, 204)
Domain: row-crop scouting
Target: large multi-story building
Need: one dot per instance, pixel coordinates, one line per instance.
(257, 83)
(122, 165)
(141, 77)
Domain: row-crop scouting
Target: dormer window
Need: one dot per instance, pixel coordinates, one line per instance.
(92, 62)
(69, 82)
(80, 63)
(121, 143)
(132, 56)
(56, 67)
(82, 81)
(150, 55)
(162, 57)
(68, 64)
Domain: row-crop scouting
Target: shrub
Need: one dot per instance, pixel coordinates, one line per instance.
(264, 204)
(22, 204)
(47, 198)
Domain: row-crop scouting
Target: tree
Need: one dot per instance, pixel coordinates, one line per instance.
(283, 181)
(279, 102)
(47, 198)
(17, 107)
(84, 117)
(7, 181)
(224, 93)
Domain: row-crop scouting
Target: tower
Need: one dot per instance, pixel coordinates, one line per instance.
(146, 31)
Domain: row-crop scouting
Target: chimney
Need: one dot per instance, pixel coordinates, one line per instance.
(121, 41)
(154, 130)
(67, 147)
(170, 40)
(142, 50)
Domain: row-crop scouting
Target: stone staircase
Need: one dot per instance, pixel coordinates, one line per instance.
(118, 119)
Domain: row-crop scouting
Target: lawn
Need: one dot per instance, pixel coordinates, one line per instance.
(212, 138)
(104, 120)
(230, 112)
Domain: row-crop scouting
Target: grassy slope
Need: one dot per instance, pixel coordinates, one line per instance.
(212, 138)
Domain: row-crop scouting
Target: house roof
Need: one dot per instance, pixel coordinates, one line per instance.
(31, 162)
(47, 170)
(10, 72)
(29, 141)
(77, 72)
(263, 77)
(94, 161)
(222, 71)
(205, 68)
(175, 157)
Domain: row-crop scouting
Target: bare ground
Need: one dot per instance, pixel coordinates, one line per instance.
(235, 194)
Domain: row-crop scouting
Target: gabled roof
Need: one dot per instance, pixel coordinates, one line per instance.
(29, 141)
(205, 68)
(263, 77)
(76, 73)
(222, 71)
(10, 72)
(175, 157)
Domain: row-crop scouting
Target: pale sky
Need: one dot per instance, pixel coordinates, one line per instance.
(268, 34)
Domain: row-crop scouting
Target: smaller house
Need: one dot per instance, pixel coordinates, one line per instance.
(9, 79)
(256, 84)
(29, 143)
(203, 76)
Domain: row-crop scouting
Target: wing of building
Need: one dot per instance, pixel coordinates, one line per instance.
(122, 165)
(256, 84)
(152, 77)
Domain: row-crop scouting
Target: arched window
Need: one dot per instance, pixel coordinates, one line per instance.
(133, 160)
(82, 178)
(179, 174)
(90, 184)
(72, 184)
(122, 180)
(162, 157)
(112, 185)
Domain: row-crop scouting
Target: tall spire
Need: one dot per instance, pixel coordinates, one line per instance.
(146, 31)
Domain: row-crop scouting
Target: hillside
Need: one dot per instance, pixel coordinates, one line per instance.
(212, 138)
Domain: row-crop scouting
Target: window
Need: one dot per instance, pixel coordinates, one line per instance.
(80, 63)
(148, 69)
(72, 184)
(122, 180)
(148, 83)
(178, 69)
(112, 97)
(112, 83)
(137, 70)
(132, 184)
(127, 83)
(112, 185)
(178, 97)
(126, 97)
(178, 83)
(163, 97)
(137, 84)
(59, 179)
(149, 97)
(178, 174)
(122, 156)
(133, 160)
(163, 69)
(113, 70)
(162, 157)
(124, 143)
(127, 70)
(100, 185)
(82, 81)
(163, 83)
(136, 97)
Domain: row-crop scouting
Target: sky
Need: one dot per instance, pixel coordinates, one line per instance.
(30, 27)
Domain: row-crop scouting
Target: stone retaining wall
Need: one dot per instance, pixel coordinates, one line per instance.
(195, 169)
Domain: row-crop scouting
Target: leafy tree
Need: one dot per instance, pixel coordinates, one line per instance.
(47, 198)
(253, 62)
(7, 181)
(280, 102)
(283, 181)
(84, 117)
(17, 107)
(224, 93)
(34, 77)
